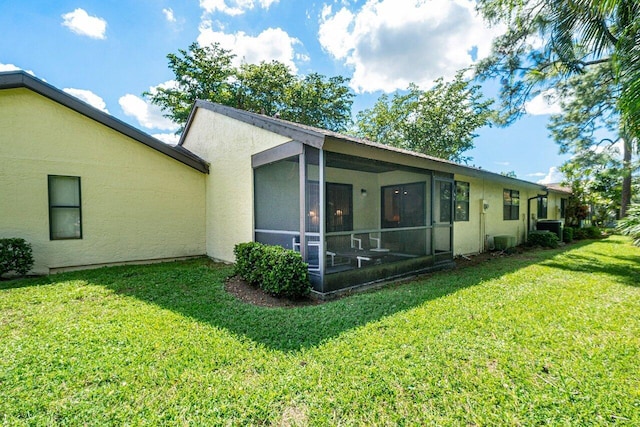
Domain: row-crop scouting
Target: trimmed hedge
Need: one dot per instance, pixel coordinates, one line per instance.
(546, 239)
(567, 234)
(593, 233)
(587, 233)
(278, 271)
(15, 255)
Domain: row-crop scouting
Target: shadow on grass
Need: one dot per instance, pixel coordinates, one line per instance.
(26, 282)
(626, 269)
(196, 289)
(199, 293)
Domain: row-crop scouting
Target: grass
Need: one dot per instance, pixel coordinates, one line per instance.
(551, 337)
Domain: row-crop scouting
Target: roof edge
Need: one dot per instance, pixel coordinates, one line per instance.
(281, 127)
(22, 79)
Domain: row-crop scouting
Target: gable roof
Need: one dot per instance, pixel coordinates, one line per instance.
(21, 79)
(316, 137)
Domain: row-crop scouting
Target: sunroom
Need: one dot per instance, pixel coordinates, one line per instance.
(357, 214)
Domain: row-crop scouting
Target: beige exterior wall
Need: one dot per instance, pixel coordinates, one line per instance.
(470, 236)
(554, 203)
(228, 145)
(137, 204)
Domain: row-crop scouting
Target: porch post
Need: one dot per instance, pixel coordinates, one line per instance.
(303, 204)
(321, 187)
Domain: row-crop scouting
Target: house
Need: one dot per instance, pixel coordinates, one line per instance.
(357, 211)
(86, 189)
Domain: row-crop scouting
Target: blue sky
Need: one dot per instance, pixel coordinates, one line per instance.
(107, 52)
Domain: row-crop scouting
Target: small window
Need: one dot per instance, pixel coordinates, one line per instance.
(462, 201)
(65, 213)
(511, 204)
(542, 207)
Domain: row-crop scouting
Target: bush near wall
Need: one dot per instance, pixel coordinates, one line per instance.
(586, 233)
(15, 255)
(278, 271)
(567, 234)
(546, 239)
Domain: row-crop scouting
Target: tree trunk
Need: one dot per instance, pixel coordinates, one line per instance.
(626, 177)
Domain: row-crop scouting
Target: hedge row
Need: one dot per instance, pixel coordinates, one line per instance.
(546, 239)
(278, 271)
(15, 255)
(573, 233)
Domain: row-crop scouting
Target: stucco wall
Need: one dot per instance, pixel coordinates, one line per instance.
(137, 204)
(228, 145)
(554, 204)
(470, 236)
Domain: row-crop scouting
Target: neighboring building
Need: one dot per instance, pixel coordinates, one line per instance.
(86, 189)
(358, 211)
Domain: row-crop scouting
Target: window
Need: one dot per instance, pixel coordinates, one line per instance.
(445, 202)
(511, 204)
(462, 201)
(563, 208)
(403, 205)
(542, 207)
(65, 213)
(339, 207)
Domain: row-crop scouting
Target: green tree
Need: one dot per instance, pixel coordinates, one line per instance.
(208, 73)
(200, 73)
(547, 41)
(439, 122)
(589, 109)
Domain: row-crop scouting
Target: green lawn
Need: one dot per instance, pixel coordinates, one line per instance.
(548, 337)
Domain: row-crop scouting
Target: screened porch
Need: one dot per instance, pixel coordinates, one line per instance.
(354, 220)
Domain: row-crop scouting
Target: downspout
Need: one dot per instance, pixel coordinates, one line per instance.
(546, 194)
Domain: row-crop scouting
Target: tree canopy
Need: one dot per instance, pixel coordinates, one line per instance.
(207, 72)
(549, 40)
(440, 122)
(597, 42)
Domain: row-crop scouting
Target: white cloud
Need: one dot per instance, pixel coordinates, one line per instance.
(502, 163)
(168, 13)
(148, 115)
(546, 102)
(391, 43)
(234, 7)
(554, 176)
(11, 67)
(167, 138)
(271, 44)
(88, 97)
(80, 22)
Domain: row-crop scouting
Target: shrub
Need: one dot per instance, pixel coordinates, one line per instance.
(15, 255)
(278, 271)
(567, 234)
(593, 232)
(248, 256)
(546, 239)
(587, 233)
(579, 233)
(630, 224)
